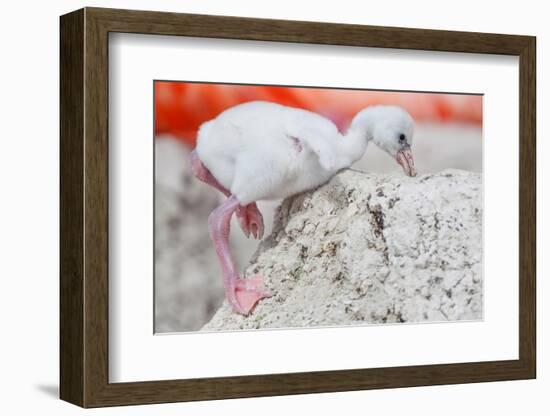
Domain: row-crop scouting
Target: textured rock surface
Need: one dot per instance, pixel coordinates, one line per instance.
(368, 248)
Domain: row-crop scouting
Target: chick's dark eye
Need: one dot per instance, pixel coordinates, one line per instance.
(402, 137)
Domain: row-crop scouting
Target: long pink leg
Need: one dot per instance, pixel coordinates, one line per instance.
(242, 294)
(250, 218)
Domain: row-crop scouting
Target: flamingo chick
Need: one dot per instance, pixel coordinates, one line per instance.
(264, 151)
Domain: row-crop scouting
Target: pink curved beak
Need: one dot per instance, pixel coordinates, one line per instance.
(405, 158)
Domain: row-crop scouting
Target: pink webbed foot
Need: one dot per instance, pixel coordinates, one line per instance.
(251, 220)
(246, 293)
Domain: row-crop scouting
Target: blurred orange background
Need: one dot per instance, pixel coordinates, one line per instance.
(181, 107)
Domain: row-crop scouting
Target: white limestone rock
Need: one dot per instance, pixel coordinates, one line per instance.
(370, 249)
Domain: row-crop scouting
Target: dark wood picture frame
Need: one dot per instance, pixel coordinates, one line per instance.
(84, 207)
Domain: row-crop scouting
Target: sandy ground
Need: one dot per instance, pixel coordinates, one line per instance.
(188, 288)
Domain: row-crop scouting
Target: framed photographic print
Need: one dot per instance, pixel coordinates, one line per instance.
(255, 207)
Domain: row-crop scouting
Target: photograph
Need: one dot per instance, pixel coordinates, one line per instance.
(279, 207)
(253, 206)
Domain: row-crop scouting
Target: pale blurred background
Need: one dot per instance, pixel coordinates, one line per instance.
(188, 285)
